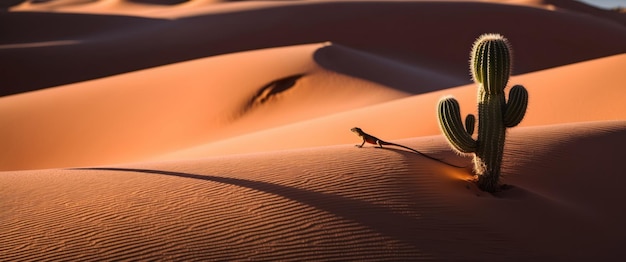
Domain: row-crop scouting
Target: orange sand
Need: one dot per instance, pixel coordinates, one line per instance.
(218, 130)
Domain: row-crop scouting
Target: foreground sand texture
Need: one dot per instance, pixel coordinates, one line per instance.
(219, 131)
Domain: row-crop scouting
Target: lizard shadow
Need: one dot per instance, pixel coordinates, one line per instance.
(377, 218)
(458, 162)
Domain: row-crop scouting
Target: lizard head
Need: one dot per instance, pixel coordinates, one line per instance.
(356, 130)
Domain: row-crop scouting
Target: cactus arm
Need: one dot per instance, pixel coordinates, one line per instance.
(516, 106)
(452, 127)
(470, 123)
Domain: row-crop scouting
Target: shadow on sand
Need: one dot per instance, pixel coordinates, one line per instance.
(382, 220)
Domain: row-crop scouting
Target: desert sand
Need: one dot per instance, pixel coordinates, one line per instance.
(209, 130)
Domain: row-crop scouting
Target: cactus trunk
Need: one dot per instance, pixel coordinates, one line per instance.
(491, 135)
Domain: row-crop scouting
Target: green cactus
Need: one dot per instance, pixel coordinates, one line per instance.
(491, 68)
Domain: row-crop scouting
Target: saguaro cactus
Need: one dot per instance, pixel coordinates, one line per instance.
(491, 67)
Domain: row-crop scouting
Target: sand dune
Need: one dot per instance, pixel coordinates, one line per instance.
(216, 130)
(336, 202)
(314, 110)
(552, 101)
(400, 31)
(180, 105)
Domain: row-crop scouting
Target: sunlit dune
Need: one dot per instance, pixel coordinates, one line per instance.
(178, 105)
(218, 130)
(552, 102)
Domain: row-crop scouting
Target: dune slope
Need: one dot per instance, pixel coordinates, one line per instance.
(123, 118)
(552, 100)
(336, 202)
(133, 116)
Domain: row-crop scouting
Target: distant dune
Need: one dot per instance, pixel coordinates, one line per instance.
(435, 35)
(214, 130)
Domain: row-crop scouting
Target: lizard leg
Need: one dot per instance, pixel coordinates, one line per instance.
(361, 145)
(379, 144)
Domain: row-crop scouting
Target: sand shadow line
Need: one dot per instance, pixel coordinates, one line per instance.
(406, 152)
(382, 70)
(377, 218)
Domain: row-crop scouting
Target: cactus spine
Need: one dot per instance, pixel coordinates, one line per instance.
(490, 64)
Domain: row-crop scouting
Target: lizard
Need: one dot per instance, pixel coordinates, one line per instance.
(367, 138)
